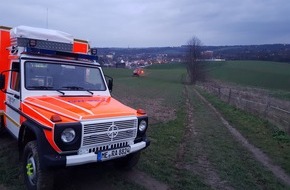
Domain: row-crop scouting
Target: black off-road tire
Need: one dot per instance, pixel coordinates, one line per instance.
(2, 126)
(128, 162)
(34, 177)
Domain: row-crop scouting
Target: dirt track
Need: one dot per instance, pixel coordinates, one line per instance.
(203, 166)
(98, 177)
(258, 154)
(102, 176)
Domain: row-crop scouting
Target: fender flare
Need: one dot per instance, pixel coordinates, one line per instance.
(36, 131)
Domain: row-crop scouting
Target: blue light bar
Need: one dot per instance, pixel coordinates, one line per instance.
(47, 52)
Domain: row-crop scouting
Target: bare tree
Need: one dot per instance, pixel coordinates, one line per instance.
(194, 65)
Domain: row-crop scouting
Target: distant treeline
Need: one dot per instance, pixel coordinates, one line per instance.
(267, 52)
(272, 52)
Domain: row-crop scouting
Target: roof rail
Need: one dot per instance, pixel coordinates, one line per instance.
(46, 52)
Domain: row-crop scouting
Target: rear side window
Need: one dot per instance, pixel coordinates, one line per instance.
(15, 77)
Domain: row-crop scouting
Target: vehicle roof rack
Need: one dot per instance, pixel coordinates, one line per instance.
(46, 52)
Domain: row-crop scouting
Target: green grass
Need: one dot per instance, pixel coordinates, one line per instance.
(233, 164)
(160, 158)
(231, 160)
(264, 135)
(171, 66)
(10, 167)
(262, 74)
(280, 94)
(160, 82)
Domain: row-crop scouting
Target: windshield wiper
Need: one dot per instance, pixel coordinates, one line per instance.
(72, 87)
(60, 92)
(76, 88)
(40, 87)
(44, 88)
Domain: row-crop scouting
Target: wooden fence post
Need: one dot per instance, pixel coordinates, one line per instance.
(268, 105)
(230, 94)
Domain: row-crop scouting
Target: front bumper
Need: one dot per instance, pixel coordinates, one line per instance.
(74, 160)
(93, 157)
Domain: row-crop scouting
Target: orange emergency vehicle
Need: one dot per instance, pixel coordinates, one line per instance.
(138, 72)
(55, 100)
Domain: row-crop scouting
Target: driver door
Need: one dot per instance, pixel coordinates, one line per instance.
(12, 103)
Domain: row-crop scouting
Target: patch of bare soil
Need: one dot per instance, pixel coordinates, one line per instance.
(2, 187)
(90, 177)
(156, 110)
(258, 154)
(203, 168)
(145, 180)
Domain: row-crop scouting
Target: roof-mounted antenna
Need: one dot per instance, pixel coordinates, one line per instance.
(47, 18)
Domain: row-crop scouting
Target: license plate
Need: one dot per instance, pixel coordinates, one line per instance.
(110, 154)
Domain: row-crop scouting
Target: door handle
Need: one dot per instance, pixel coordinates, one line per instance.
(16, 96)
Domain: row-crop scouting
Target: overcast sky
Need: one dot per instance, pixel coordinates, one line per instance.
(156, 23)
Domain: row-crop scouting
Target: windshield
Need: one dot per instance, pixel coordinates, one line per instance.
(51, 76)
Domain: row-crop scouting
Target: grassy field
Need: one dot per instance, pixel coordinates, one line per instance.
(163, 85)
(274, 142)
(262, 74)
(160, 87)
(10, 171)
(231, 162)
(190, 147)
(234, 165)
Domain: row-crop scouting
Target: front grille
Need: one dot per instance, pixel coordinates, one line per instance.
(108, 132)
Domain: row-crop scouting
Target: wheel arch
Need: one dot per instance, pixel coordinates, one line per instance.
(30, 131)
(26, 134)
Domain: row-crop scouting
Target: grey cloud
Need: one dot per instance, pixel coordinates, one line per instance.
(143, 23)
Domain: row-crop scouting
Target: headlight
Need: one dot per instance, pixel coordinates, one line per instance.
(68, 135)
(142, 125)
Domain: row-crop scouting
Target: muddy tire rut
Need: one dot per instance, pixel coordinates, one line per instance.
(203, 167)
(256, 152)
(96, 177)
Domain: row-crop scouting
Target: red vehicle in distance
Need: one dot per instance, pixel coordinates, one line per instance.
(138, 72)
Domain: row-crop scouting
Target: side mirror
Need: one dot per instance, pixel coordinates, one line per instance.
(109, 82)
(110, 85)
(2, 81)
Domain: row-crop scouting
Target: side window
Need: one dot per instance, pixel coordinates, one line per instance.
(15, 77)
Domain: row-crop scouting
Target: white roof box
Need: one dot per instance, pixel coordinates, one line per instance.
(41, 34)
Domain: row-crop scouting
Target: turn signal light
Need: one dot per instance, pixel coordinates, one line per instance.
(141, 111)
(55, 118)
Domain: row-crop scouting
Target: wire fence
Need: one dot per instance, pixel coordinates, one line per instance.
(259, 103)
